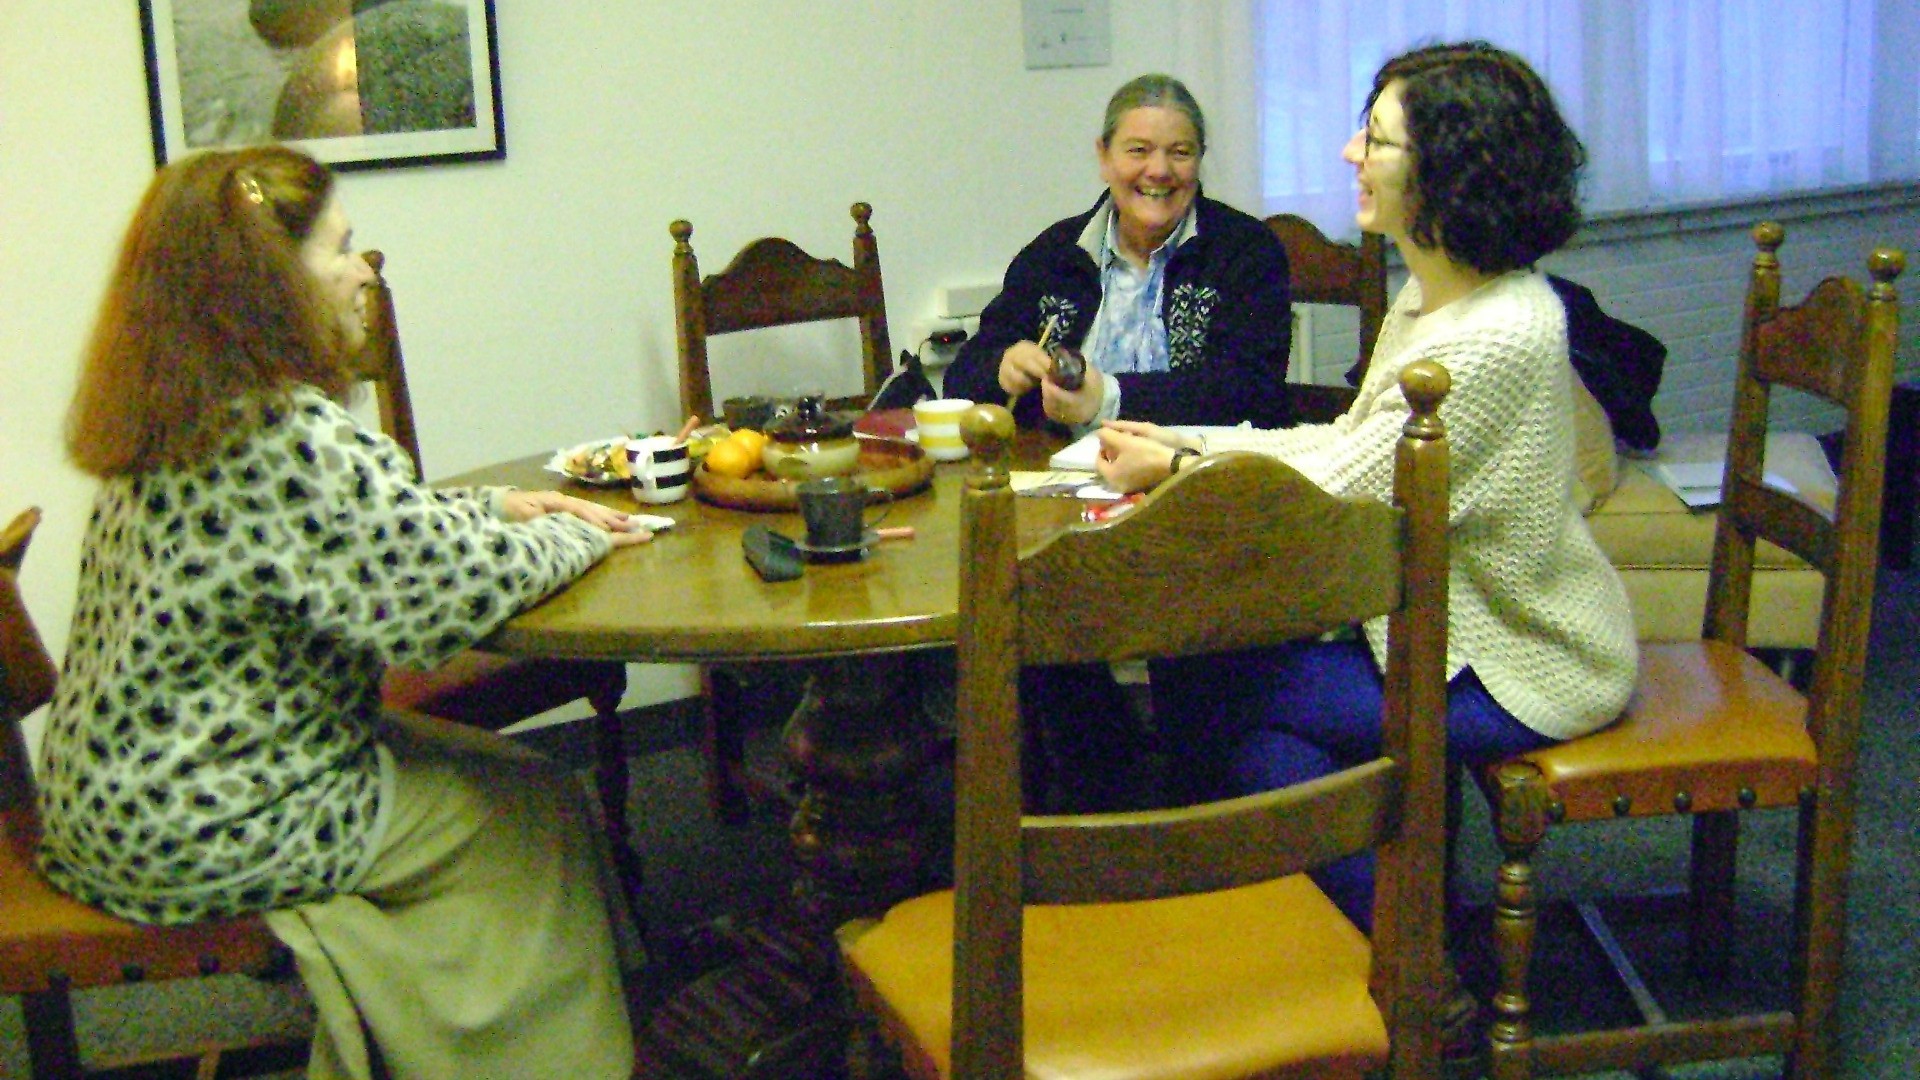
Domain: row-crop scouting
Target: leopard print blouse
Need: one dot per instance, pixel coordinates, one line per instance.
(211, 749)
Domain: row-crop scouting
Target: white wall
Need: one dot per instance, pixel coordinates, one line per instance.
(534, 293)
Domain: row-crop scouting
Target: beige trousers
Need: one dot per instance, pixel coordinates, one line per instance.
(479, 944)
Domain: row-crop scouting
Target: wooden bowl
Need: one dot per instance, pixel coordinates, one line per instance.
(893, 466)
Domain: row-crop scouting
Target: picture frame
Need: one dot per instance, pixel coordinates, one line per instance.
(359, 84)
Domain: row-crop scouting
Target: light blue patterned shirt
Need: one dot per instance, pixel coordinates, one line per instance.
(1128, 334)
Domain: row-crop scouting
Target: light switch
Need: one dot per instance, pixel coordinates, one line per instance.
(1066, 33)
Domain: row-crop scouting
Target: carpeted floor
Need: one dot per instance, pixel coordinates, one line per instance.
(697, 870)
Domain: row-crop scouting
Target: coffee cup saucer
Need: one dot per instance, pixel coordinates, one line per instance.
(828, 551)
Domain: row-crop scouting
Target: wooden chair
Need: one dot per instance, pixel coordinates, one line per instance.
(1323, 271)
(1184, 942)
(51, 944)
(1710, 731)
(479, 688)
(771, 282)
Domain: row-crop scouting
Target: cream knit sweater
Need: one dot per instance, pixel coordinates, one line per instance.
(1534, 607)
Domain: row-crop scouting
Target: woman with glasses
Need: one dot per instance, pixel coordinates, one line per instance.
(1465, 163)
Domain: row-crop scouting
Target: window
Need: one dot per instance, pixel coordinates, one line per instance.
(1678, 101)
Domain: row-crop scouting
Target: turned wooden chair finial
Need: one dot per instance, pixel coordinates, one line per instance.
(1424, 384)
(1885, 264)
(988, 433)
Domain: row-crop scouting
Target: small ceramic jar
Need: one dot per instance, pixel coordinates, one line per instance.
(810, 442)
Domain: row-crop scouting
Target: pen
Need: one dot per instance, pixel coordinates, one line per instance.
(1113, 509)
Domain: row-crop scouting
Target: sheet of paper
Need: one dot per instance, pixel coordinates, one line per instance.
(1084, 451)
(1081, 454)
(1065, 483)
(1698, 483)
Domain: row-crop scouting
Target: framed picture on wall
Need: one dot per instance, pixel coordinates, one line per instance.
(356, 83)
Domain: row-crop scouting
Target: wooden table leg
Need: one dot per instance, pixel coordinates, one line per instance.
(865, 835)
(861, 744)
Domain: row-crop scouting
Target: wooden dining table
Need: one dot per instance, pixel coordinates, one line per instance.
(871, 632)
(757, 993)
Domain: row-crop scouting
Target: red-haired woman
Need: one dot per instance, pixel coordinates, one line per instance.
(256, 557)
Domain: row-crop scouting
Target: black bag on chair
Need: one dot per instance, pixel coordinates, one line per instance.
(1620, 363)
(904, 388)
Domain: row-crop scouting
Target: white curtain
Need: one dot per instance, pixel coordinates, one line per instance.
(1678, 101)
(1214, 56)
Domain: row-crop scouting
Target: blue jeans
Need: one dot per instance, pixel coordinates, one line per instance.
(1239, 723)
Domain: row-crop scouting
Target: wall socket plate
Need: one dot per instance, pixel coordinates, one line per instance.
(963, 301)
(920, 331)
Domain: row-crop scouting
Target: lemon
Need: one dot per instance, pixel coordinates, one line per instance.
(732, 458)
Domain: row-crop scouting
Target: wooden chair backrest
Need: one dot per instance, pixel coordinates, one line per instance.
(27, 676)
(382, 365)
(1837, 345)
(771, 282)
(1324, 271)
(1236, 551)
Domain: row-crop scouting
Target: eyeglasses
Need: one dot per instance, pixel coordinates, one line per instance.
(1370, 142)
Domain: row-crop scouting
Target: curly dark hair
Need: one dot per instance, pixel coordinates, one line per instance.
(1495, 169)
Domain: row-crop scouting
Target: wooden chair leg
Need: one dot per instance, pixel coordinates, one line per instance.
(1826, 831)
(612, 780)
(1520, 806)
(53, 1050)
(723, 735)
(1710, 910)
(613, 783)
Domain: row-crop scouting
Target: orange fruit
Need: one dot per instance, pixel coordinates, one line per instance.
(753, 440)
(732, 458)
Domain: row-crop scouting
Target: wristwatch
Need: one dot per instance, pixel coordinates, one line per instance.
(1173, 467)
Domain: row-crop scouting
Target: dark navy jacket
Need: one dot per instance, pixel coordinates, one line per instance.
(1225, 307)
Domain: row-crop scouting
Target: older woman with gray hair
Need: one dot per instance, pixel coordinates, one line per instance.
(1178, 307)
(1177, 303)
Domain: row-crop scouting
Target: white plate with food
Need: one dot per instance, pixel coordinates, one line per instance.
(602, 463)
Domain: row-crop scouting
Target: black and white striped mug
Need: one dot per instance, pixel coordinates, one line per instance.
(660, 468)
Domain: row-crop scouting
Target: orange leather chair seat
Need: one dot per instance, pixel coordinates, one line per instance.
(44, 931)
(1243, 983)
(1723, 724)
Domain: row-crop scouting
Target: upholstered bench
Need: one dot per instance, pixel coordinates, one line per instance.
(1662, 548)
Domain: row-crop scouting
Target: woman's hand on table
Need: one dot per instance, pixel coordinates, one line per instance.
(1135, 456)
(527, 505)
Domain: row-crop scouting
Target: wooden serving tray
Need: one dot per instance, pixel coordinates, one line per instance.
(893, 466)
